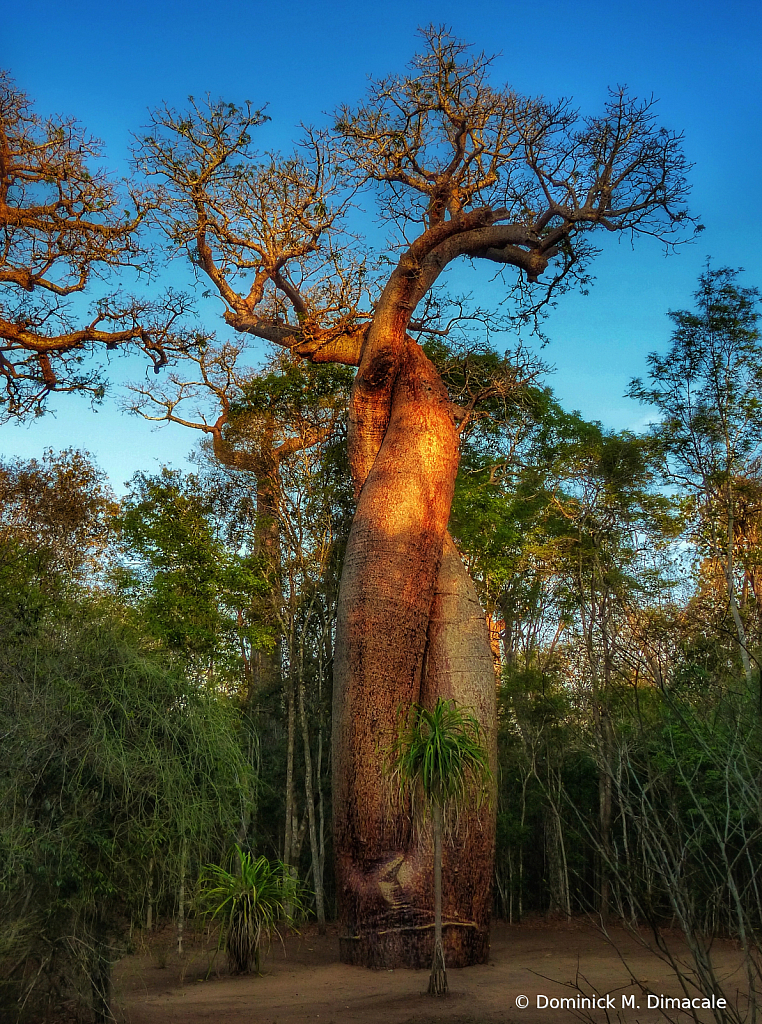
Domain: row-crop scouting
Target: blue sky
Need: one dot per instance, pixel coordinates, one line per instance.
(108, 64)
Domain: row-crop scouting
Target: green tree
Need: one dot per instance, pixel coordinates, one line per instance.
(569, 542)
(278, 430)
(194, 587)
(61, 507)
(440, 759)
(117, 772)
(687, 780)
(706, 390)
(613, 566)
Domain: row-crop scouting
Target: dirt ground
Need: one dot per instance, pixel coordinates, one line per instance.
(306, 982)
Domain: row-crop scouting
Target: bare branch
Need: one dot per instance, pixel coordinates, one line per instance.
(63, 224)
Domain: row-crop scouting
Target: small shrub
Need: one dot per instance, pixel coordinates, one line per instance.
(251, 905)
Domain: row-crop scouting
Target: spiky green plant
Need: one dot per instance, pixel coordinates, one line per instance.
(251, 904)
(440, 760)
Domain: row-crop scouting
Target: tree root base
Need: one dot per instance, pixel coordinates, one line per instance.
(413, 947)
(438, 979)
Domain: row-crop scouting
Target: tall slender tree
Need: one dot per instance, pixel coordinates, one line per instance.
(706, 390)
(274, 426)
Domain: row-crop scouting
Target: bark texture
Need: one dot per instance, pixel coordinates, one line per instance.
(410, 629)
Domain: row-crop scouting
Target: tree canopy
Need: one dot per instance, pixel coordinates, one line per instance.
(459, 168)
(66, 224)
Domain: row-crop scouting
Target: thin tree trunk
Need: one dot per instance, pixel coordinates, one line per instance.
(321, 810)
(265, 668)
(602, 693)
(297, 838)
(325, 654)
(566, 889)
(181, 898)
(555, 852)
(605, 798)
(733, 598)
(288, 852)
(438, 979)
(310, 800)
(524, 784)
(149, 911)
(100, 976)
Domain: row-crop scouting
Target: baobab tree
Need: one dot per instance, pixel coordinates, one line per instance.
(461, 170)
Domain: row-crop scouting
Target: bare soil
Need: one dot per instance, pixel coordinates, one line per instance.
(304, 981)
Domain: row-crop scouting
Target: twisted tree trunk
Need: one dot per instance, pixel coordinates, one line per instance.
(409, 629)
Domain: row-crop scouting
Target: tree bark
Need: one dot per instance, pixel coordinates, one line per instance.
(555, 852)
(290, 855)
(605, 803)
(263, 672)
(309, 797)
(409, 629)
(733, 598)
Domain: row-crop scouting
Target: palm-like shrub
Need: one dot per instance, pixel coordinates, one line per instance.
(251, 905)
(439, 758)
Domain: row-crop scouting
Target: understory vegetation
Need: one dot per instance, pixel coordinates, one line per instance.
(166, 659)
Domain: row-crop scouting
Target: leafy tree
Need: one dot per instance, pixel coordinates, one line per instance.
(687, 780)
(617, 527)
(543, 762)
(116, 772)
(278, 430)
(195, 591)
(568, 542)
(706, 390)
(61, 507)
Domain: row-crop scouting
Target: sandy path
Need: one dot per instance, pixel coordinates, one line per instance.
(308, 983)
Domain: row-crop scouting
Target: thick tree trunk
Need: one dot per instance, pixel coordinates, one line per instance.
(409, 629)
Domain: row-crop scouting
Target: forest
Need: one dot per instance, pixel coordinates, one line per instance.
(201, 679)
